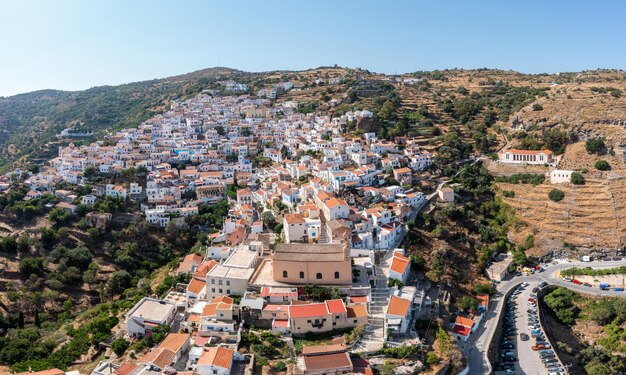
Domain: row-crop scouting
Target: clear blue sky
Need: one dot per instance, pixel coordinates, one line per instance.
(78, 44)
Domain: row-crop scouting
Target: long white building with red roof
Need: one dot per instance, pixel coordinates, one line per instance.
(515, 156)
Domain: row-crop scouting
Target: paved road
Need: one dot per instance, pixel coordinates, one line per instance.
(478, 344)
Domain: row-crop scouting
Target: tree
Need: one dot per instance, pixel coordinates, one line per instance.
(595, 145)
(484, 289)
(32, 266)
(467, 303)
(79, 256)
(268, 219)
(537, 107)
(602, 314)
(602, 165)
(119, 281)
(556, 195)
(577, 178)
(119, 346)
(8, 245)
(59, 216)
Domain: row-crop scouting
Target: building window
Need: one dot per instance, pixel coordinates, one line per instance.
(220, 290)
(301, 274)
(284, 273)
(227, 282)
(228, 291)
(212, 281)
(318, 276)
(213, 290)
(336, 275)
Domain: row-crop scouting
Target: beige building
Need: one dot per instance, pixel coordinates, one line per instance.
(318, 264)
(325, 317)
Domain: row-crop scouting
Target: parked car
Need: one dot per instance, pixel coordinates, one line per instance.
(543, 283)
(587, 285)
(523, 337)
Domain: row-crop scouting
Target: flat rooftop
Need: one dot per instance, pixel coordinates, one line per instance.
(153, 310)
(242, 257)
(226, 271)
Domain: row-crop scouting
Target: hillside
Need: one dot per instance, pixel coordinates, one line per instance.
(423, 104)
(29, 122)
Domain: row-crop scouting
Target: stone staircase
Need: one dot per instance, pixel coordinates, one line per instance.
(374, 336)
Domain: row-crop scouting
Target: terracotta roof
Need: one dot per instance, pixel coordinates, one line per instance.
(336, 306)
(196, 286)
(54, 371)
(217, 356)
(175, 341)
(225, 299)
(324, 349)
(462, 321)
(358, 299)
(334, 202)
(327, 362)
(402, 170)
(125, 369)
(399, 263)
(205, 268)
(159, 357)
(356, 311)
(483, 299)
(280, 323)
(528, 152)
(308, 311)
(294, 218)
(398, 306)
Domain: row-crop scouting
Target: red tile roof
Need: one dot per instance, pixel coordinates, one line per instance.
(280, 323)
(336, 306)
(217, 356)
(308, 311)
(462, 321)
(399, 263)
(327, 362)
(398, 306)
(358, 299)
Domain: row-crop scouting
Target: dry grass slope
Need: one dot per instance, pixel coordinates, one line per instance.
(590, 216)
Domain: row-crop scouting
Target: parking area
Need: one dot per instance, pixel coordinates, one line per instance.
(523, 348)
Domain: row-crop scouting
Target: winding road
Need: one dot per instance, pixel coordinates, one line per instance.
(477, 346)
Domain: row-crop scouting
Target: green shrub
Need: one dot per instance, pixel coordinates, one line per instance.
(595, 145)
(602, 165)
(577, 179)
(431, 358)
(119, 346)
(508, 194)
(556, 195)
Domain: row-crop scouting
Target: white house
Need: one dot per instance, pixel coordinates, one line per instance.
(560, 176)
(398, 314)
(147, 314)
(400, 266)
(88, 200)
(514, 156)
(216, 361)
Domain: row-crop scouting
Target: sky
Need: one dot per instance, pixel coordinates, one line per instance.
(77, 44)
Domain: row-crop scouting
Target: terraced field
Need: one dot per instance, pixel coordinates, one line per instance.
(591, 216)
